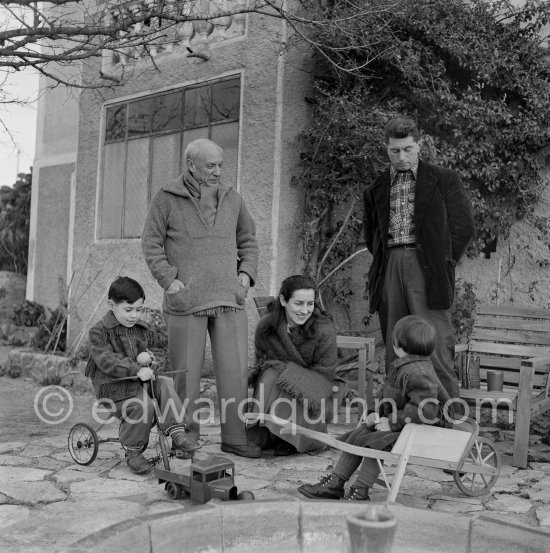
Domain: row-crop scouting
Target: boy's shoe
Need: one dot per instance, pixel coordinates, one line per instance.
(249, 450)
(137, 462)
(181, 442)
(330, 486)
(357, 493)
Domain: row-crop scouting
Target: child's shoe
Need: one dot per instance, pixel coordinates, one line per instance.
(180, 442)
(330, 486)
(357, 493)
(137, 462)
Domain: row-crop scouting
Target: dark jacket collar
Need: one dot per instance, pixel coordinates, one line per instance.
(110, 321)
(401, 361)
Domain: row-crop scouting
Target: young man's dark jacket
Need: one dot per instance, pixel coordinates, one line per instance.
(444, 226)
(113, 352)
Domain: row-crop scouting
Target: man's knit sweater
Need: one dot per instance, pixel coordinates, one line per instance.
(178, 243)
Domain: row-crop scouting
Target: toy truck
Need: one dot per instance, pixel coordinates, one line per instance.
(210, 477)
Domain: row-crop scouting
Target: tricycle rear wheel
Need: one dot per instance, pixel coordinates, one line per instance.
(83, 444)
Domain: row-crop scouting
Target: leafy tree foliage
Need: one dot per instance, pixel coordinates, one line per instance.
(474, 74)
(15, 207)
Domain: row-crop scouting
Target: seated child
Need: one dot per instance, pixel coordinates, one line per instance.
(115, 343)
(411, 381)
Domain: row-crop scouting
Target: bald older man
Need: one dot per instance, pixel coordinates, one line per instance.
(199, 242)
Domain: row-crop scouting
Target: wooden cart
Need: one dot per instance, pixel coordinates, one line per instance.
(473, 459)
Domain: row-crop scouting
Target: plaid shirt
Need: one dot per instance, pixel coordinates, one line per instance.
(402, 193)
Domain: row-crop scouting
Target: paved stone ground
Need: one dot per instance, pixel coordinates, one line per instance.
(47, 501)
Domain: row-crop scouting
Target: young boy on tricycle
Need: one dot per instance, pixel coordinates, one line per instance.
(120, 366)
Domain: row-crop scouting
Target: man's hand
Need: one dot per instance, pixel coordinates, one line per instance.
(244, 279)
(175, 286)
(369, 420)
(383, 425)
(146, 373)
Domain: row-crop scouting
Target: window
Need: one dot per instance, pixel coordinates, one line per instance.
(144, 143)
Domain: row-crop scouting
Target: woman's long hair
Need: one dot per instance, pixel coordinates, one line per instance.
(277, 313)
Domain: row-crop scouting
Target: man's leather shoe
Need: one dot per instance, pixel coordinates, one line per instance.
(248, 450)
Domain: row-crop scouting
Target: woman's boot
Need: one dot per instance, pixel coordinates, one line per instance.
(330, 486)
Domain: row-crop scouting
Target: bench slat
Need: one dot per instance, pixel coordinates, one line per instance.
(511, 336)
(515, 350)
(513, 311)
(512, 378)
(474, 393)
(513, 324)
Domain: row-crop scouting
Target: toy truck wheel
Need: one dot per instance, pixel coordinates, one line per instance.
(246, 495)
(484, 454)
(83, 444)
(173, 490)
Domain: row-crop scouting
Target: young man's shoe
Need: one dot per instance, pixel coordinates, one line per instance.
(249, 450)
(137, 462)
(330, 486)
(357, 493)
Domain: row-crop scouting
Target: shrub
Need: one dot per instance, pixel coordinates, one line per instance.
(473, 73)
(28, 313)
(463, 310)
(52, 332)
(15, 207)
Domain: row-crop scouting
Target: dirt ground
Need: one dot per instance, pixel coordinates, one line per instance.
(19, 419)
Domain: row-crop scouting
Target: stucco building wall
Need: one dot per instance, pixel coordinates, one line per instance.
(52, 193)
(272, 113)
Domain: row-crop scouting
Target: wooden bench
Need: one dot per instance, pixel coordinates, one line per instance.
(516, 341)
(365, 352)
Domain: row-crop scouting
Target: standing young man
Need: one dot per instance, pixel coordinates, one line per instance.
(199, 242)
(418, 223)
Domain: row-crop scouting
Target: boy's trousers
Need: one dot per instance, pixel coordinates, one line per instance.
(229, 340)
(137, 414)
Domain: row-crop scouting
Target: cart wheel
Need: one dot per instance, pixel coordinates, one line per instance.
(83, 444)
(164, 450)
(483, 453)
(173, 490)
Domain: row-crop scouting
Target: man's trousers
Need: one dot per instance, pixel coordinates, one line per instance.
(228, 333)
(404, 293)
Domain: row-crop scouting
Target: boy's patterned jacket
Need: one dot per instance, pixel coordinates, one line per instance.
(113, 352)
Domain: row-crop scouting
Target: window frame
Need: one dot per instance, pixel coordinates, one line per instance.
(150, 135)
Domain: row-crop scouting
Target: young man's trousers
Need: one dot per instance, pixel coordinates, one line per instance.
(404, 293)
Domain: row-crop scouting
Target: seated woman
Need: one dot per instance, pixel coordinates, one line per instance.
(296, 358)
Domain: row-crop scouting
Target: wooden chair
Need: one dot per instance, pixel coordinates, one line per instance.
(474, 461)
(365, 352)
(516, 341)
